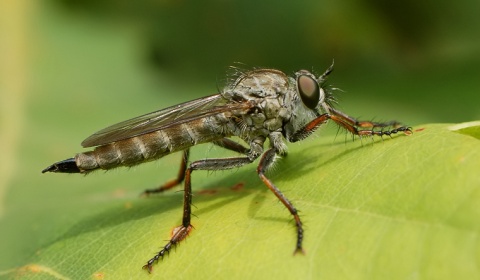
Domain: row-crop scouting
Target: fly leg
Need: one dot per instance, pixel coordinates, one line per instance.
(182, 231)
(172, 183)
(308, 129)
(359, 128)
(367, 128)
(231, 145)
(363, 124)
(224, 143)
(265, 162)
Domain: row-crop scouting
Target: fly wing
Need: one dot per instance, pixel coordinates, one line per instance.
(174, 115)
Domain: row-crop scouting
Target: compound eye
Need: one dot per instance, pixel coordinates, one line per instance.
(308, 90)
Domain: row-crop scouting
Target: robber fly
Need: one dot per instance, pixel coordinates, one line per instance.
(255, 106)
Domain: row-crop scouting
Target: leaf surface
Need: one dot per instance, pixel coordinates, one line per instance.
(401, 208)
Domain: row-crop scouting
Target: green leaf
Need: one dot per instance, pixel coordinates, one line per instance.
(469, 128)
(401, 208)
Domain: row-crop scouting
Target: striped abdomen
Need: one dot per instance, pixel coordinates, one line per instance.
(148, 147)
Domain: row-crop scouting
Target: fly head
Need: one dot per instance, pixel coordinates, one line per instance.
(310, 90)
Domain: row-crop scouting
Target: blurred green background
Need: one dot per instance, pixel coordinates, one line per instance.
(71, 67)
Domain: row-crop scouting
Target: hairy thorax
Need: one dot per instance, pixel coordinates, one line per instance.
(268, 90)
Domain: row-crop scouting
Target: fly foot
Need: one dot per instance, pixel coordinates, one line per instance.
(179, 233)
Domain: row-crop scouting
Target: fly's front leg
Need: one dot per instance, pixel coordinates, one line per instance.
(363, 124)
(308, 129)
(350, 124)
(172, 183)
(265, 162)
(182, 231)
(366, 128)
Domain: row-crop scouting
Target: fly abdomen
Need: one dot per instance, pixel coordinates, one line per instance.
(141, 148)
(126, 152)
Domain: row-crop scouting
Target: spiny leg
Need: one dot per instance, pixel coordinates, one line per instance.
(224, 143)
(308, 129)
(357, 127)
(266, 161)
(172, 183)
(350, 124)
(363, 124)
(182, 231)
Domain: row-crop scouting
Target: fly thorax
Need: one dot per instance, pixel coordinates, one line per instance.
(266, 89)
(275, 113)
(258, 83)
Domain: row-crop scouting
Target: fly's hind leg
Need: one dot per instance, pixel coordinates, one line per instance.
(182, 231)
(224, 143)
(172, 183)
